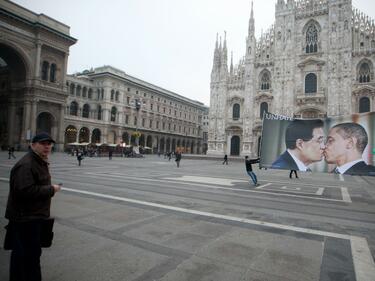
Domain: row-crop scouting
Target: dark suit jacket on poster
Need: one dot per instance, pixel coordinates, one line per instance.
(285, 161)
(362, 169)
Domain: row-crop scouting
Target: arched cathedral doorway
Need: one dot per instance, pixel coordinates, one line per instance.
(235, 145)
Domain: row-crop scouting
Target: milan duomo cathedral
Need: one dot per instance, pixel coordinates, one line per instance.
(316, 61)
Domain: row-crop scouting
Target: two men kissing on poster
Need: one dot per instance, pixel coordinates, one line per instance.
(343, 147)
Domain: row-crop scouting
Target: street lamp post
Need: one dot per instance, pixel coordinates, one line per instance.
(137, 107)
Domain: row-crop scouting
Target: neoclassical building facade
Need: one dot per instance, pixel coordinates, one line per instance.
(317, 60)
(106, 105)
(34, 53)
(102, 105)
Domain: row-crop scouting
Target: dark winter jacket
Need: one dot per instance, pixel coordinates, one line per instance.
(30, 189)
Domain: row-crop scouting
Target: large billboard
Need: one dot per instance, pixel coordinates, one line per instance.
(342, 145)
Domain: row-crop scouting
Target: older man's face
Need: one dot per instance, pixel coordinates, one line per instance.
(335, 146)
(43, 148)
(312, 150)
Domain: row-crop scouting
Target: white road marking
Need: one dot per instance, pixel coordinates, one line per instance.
(341, 177)
(263, 185)
(291, 188)
(209, 180)
(364, 265)
(294, 190)
(320, 191)
(345, 195)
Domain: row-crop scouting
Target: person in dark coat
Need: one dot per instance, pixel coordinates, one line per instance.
(345, 145)
(79, 157)
(178, 158)
(28, 205)
(110, 153)
(9, 152)
(249, 169)
(225, 159)
(291, 174)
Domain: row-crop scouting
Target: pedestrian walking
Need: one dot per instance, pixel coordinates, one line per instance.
(291, 173)
(249, 169)
(178, 156)
(169, 156)
(110, 152)
(9, 152)
(28, 210)
(79, 157)
(12, 152)
(225, 159)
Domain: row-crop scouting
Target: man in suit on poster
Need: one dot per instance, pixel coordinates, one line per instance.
(304, 140)
(344, 148)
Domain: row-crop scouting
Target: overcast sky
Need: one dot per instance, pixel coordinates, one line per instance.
(168, 43)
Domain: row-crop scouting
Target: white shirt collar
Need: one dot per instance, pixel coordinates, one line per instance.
(301, 167)
(342, 169)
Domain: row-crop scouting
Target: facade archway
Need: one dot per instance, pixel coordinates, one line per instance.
(162, 142)
(96, 136)
(149, 141)
(13, 71)
(168, 148)
(70, 134)
(44, 123)
(125, 137)
(142, 140)
(84, 135)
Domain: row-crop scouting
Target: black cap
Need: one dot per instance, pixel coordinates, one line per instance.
(42, 137)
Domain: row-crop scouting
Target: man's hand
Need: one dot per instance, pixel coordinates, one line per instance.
(56, 187)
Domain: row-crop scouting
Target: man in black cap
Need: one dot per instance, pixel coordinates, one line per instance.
(28, 208)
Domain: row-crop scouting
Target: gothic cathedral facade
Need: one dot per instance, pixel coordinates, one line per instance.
(316, 61)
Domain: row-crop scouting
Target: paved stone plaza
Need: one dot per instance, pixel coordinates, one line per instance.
(146, 219)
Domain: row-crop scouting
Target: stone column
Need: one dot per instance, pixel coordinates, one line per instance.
(26, 122)
(64, 70)
(11, 118)
(61, 133)
(37, 62)
(33, 117)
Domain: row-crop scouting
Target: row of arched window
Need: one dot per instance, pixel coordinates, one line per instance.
(49, 71)
(74, 108)
(82, 91)
(364, 75)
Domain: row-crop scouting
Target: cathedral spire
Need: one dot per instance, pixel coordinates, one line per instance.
(225, 41)
(224, 60)
(231, 62)
(251, 22)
